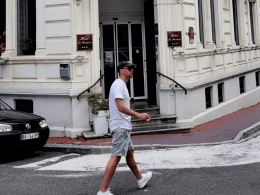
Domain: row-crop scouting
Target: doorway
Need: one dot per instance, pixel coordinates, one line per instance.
(123, 41)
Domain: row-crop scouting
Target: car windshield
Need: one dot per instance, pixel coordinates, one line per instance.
(4, 106)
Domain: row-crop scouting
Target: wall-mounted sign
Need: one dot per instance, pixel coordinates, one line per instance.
(191, 35)
(174, 39)
(109, 56)
(84, 42)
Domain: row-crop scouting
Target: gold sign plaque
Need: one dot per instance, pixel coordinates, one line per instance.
(174, 39)
(84, 42)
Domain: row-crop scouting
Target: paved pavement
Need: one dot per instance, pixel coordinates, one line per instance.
(234, 127)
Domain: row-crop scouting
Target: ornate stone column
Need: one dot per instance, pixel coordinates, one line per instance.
(242, 26)
(163, 48)
(220, 39)
(257, 22)
(10, 28)
(197, 33)
(40, 29)
(94, 18)
(207, 24)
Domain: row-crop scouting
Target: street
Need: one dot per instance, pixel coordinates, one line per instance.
(232, 168)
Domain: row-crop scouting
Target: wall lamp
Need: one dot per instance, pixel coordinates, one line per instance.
(80, 57)
(246, 48)
(180, 53)
(219, 51)
(252, 2)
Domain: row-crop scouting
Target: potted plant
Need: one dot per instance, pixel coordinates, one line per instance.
(100, 109)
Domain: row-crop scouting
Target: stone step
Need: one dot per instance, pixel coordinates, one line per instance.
(145, 130)
(155, 110)
(155, 119)
(159, 129)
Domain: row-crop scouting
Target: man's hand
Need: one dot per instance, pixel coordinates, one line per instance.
(122, 108)
(144, 116)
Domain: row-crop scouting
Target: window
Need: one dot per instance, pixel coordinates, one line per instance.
(213, 21)
(2, 26)
(208, 96)
(252, 22)
(242, 84)
(201, 22)
(257, 78)
(234, 2)
(26, 27)
(24, 105)
(220, 92)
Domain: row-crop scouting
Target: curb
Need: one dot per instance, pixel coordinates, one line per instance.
(242, 136)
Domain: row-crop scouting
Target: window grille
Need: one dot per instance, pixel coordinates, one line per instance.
(257, 78)
(208, 97)
(220, 92)
(24, 105)
(242, 84)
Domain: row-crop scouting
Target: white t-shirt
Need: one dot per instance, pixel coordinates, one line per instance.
(118, 119)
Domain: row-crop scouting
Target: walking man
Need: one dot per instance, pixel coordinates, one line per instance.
(120, 127)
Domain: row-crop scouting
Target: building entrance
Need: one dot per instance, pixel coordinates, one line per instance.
(127, 32)
(123, 42)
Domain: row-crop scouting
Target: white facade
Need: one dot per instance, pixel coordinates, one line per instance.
(196, 66)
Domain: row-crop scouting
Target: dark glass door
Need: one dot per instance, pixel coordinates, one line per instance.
(124, 42)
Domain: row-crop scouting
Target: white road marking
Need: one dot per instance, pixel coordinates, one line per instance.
(44, 162)
(69, 175)
(185, 157)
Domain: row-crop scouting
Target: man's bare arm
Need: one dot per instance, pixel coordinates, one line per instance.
(122, 108)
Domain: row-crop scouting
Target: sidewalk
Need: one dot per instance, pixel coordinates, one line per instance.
(235, 126)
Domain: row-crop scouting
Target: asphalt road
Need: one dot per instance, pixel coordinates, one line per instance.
(223, 169)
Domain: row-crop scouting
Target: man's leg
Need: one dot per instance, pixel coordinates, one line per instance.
(132, 164)
(142, 178)
(109, 172)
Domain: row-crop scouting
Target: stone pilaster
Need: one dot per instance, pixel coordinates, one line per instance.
(10, 28)
(40, 29)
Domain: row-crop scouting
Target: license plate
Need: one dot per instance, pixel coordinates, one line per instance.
(29, 136)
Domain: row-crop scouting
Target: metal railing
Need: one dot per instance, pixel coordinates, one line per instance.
(173, 81)
(88, 89)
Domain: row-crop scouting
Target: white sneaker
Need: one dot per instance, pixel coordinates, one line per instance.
(105, 193)
(145, 178)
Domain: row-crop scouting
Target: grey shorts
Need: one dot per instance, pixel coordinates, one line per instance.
(121, 142)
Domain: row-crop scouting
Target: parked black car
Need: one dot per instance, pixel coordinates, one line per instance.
(21, 130)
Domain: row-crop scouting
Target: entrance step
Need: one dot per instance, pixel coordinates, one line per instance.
(160, 129)
(157, 124)
(145, 130)
(155, 119)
